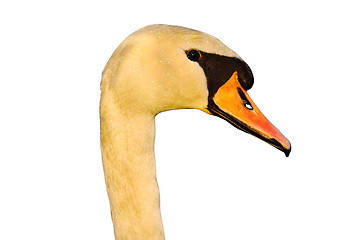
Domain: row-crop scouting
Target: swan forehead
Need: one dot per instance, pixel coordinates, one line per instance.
(177, 37)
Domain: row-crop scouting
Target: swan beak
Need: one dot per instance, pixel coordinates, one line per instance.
(232, 103)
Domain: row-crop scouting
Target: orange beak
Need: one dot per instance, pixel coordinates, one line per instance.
(233, 103)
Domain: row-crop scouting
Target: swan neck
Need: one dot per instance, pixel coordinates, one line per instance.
(127, 144)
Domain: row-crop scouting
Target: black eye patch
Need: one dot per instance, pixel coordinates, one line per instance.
(218, 69)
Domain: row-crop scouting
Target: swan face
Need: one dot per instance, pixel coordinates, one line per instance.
(161, 67)
(152, 64)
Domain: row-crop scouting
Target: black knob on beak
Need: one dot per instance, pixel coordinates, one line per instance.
(245, 76)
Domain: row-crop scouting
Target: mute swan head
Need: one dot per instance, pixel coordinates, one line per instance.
(161, 67)
(156, 69)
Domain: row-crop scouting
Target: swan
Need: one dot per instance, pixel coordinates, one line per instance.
(155, 69)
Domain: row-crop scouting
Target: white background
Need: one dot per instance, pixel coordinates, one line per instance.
(216, 182)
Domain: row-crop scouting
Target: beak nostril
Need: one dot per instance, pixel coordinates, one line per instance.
(248, 106)
(244, 100)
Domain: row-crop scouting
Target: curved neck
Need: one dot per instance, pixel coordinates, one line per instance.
(127, 144)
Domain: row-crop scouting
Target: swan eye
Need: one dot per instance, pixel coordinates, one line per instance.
(193, 55)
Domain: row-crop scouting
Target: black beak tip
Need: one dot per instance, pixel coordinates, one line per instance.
(287, 151)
